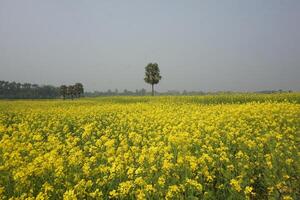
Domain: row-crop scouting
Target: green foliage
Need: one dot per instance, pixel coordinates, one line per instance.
(14, 90)
(152, 75)
(63, 91)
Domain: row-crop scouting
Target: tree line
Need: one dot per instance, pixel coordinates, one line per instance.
(15, 90)
(71, 91)
(116, 92)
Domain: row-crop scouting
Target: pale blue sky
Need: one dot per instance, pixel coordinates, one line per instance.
(199, 45)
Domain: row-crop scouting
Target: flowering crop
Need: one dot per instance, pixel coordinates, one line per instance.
(150, 148)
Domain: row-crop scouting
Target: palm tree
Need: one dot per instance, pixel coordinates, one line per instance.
(152, 75)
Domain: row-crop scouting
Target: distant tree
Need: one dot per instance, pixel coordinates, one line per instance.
(34, 90)
(2, 88)
(63, 91)
(19, 87)
(71, 91)
(152, 75)
(143, 91)
(116, 91)
(14, 90)
(13, 87)
(78, 89)
(26, 86)
(109, 92)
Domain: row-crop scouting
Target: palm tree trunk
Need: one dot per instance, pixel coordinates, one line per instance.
(152, 89)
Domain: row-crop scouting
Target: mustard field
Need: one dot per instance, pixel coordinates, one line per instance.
(243, 146)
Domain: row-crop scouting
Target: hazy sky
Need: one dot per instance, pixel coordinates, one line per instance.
(199, 45)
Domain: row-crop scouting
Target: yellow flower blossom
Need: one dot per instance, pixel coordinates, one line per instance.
(235, 185)
(70, 195)
(181, 147)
